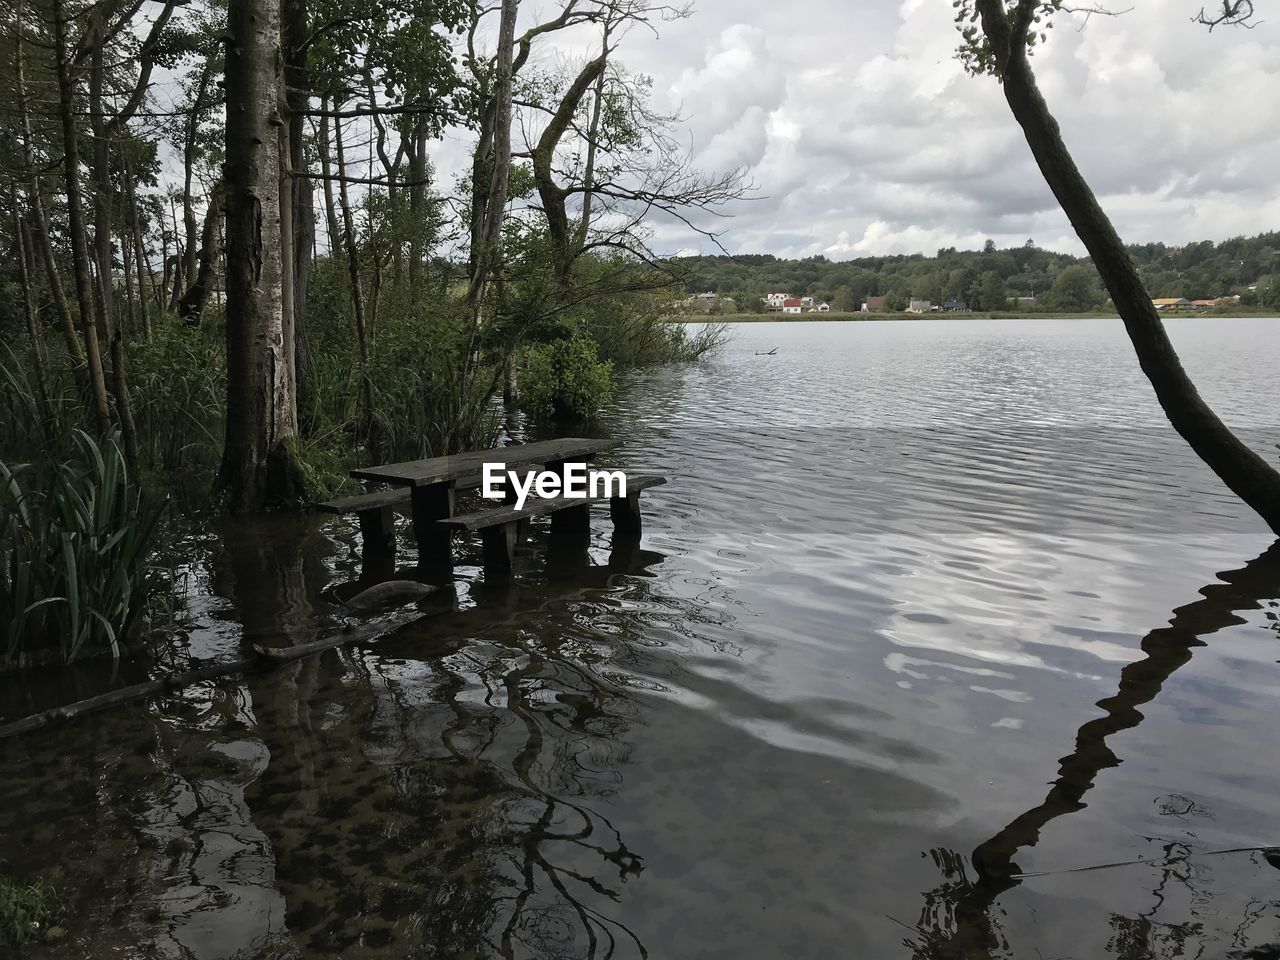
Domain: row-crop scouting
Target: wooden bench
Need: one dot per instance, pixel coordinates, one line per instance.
(376, 512)
(499, 527)
(430, 484)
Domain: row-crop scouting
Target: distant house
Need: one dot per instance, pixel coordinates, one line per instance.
(774, 301)
(920, 306)
(955, 306)
(872, 304)
(1171, 303)
(1215, 302)
(700, 303)
(1024, 301)
(806, 303)
(823, 307)
(792, 305)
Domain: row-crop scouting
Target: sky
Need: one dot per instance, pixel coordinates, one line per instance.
(863, 135)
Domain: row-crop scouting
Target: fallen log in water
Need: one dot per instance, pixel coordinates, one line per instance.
(264, 658)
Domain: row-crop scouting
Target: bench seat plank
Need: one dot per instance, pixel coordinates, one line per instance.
(365, 501)
(537, 506)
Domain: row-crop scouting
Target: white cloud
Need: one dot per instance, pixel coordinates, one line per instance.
(865, 136)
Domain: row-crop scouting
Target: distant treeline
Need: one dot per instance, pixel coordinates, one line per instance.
(990, 279)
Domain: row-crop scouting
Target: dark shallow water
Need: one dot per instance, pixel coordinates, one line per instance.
(918, 595)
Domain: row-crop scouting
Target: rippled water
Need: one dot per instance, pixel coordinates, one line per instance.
(932, 617)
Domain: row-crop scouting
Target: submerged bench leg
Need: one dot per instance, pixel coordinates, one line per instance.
(378, 543)
(625, 511)
(499, 547)
(571, 522)
(378, 530)
(509, 497)
(432, 503)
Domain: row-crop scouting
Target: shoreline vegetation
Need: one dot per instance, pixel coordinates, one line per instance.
(856, 317)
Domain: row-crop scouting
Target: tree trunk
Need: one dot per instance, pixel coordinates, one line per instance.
(490, 228)
(189, 267)
(262, 420)
(23, 237)
(75, 222)
(326, 174)
(39, 226)
(357, 295)
(141, 264)
(191, 306)
(1244, 472)
(301, 204)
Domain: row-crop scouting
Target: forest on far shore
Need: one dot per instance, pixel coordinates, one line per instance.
(990, 278)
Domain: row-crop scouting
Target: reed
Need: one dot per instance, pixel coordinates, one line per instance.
(75, 541)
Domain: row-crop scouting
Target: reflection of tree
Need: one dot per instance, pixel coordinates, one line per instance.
(957, 917)
(438, 795)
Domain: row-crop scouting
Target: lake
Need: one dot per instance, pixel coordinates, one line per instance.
(940, 643)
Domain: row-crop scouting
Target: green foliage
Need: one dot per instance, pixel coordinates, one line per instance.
(1075, 288)
(976, 51)
(25, 911)
(1196, 271)
(428, 402)
(565, 379)
(989, 293)
(75, 536)
(179, 391)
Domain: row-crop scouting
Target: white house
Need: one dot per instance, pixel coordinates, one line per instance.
(920, 306)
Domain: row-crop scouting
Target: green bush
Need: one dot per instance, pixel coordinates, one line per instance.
(75, 536)
(565, 379)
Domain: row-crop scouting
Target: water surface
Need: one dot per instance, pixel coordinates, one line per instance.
(932, 617)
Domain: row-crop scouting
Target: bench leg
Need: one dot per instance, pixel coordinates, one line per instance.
(509, 496)
(571, 522)
(499, 547)
(432, 503)
(378, 530)
(625, 511)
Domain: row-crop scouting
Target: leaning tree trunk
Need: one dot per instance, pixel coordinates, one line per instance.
(262, 419)
(1244, 472)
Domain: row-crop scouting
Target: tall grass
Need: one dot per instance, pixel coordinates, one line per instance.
(75, 537)
(179, 394)
(25, 911)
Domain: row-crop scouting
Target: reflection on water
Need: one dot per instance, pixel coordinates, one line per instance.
(811, 715)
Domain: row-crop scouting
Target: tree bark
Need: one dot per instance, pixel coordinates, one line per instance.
(75, 222)
(326, 172)
(141, 265)
(301, 202)
(191, 306)
(189, 267)
(1243, 471)
(257, 466)
(23, 236)
(357, 294)
(488, 220)
(39, 226)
